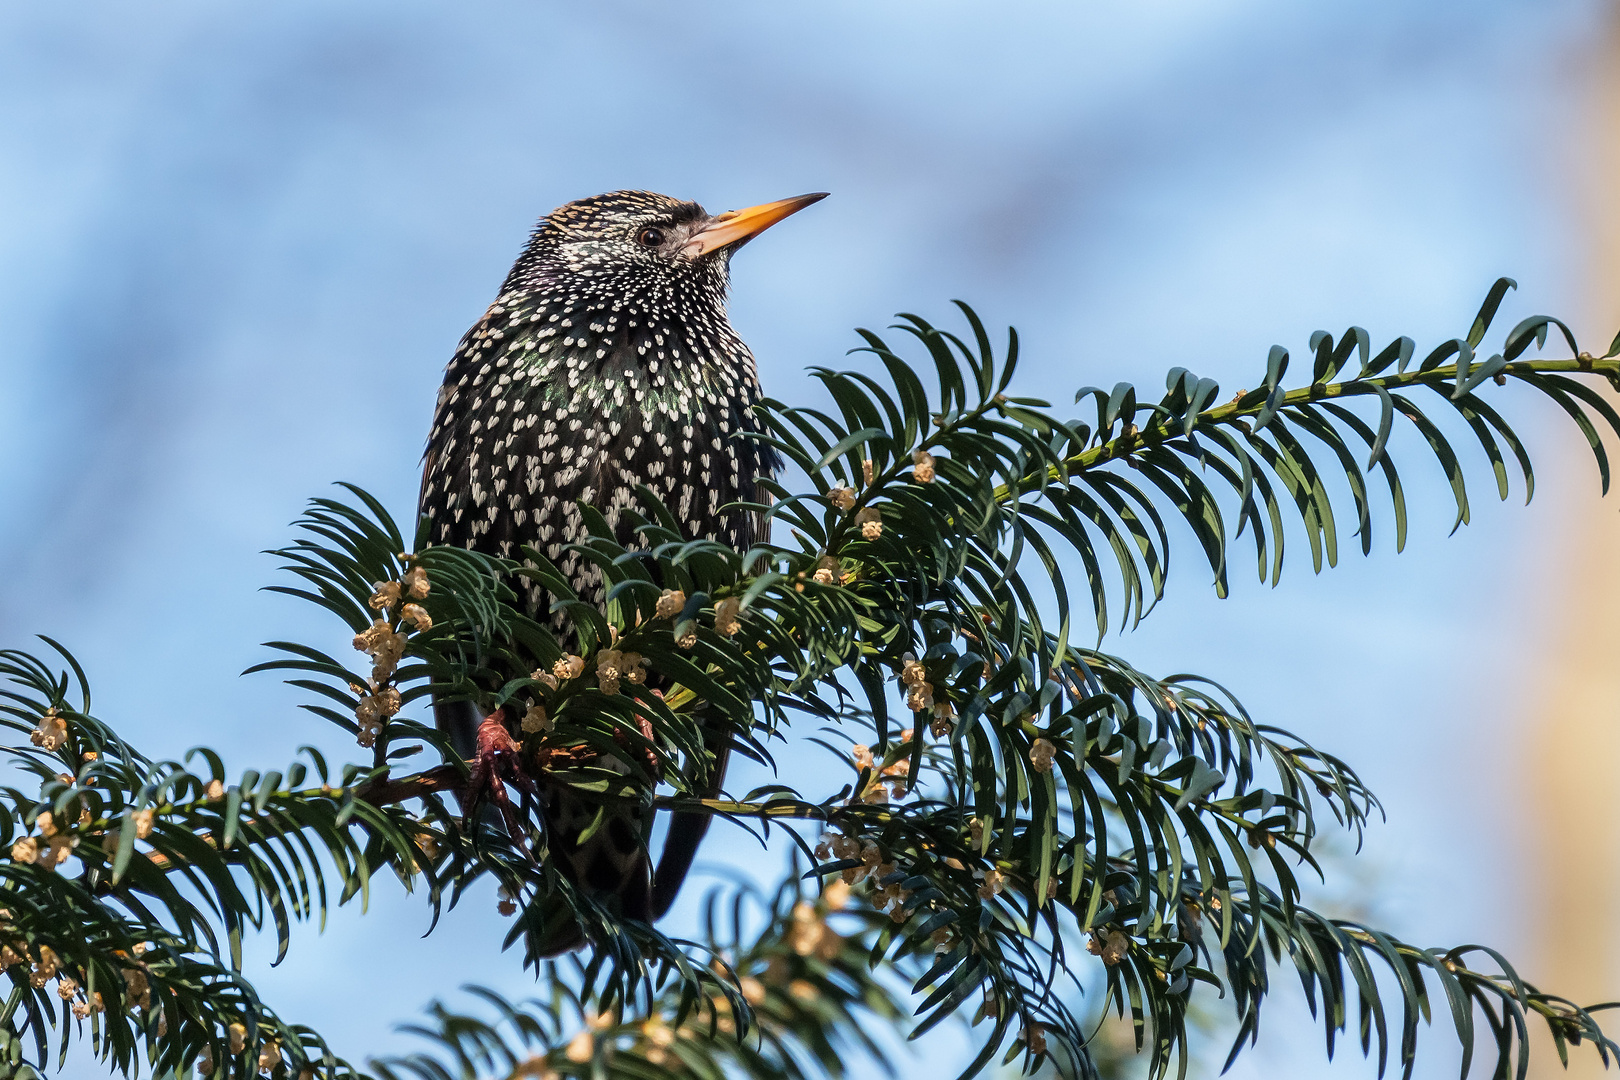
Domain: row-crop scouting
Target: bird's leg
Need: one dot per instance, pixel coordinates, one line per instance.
(496, 761)
(644, 725)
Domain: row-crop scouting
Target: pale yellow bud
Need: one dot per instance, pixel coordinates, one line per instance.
(417, 616)
(535, 720)
(50, 733)
(386, 595)
(728, 616)
(416, 583)
(1041, 753)
(911, 672)
(136, 989)
(993, 884)
(45, 968)
(269, 1055)
(922, 469)
(607, 670)
(1112, 946)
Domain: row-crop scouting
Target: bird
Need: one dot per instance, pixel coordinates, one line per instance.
(606, 362)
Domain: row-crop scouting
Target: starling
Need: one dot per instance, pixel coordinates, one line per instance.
(606, 362)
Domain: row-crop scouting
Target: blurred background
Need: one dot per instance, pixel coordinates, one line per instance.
(239, 242)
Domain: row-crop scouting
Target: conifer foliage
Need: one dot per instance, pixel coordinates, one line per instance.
(1008, 814)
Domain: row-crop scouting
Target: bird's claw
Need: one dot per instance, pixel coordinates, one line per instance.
(496, 761)
(648, 757)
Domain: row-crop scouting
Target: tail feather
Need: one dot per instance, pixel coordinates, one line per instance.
(686, 832)
(602, 849)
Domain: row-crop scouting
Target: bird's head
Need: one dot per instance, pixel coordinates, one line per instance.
(639, 241)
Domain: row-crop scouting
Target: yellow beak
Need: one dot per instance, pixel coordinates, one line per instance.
(735, 226)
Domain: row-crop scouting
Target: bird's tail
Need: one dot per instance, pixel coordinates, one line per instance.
(601, 848)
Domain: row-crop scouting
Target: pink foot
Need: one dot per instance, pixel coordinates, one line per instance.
(496, 761)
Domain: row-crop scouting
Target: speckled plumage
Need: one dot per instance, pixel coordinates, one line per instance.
(605, 363)
(601, 365)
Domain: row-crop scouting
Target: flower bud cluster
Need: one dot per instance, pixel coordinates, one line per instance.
(728, 616)
(991, 883)
(51, 732)
(385, 596)
(870, 519)
(269, 1056)
(535, 720)
(838, 846)
(896, 773)
(612, 666)
(890, 898)
(873, 869)
(1111, 945)
(922, 467)
(1041, 752)
(919, 691)
(48, 965)
(385, 643)
(385, 647)
(49, 849)
(373, 712)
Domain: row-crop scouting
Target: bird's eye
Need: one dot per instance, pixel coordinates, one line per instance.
(650, 237)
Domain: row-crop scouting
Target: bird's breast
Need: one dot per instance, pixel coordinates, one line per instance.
(541, 413)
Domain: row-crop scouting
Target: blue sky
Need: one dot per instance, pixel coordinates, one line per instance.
(240, 241)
